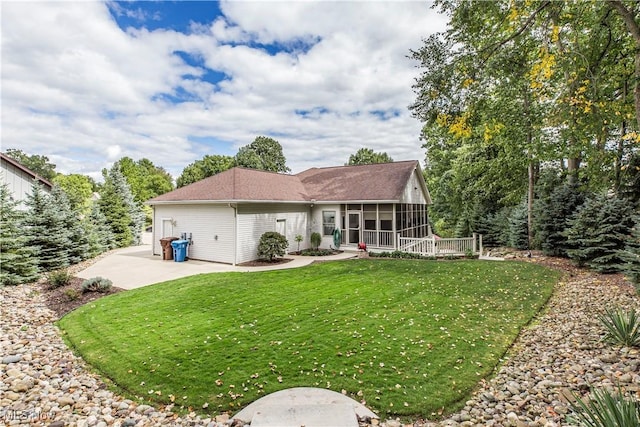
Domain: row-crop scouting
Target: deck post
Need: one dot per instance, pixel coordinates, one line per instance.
(480, 245)
(475, 236)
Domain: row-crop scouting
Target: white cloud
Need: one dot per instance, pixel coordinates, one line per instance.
(79, 89)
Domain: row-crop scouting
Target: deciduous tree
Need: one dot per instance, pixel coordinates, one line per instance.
(366, 156)
(208, 166)
(35, 162)
(263, 153)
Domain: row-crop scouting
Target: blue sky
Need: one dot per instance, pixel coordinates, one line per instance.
(87, 83)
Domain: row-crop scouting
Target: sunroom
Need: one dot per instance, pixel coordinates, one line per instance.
(376, 224)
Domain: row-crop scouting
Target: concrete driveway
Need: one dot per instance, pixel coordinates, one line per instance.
(135, 266)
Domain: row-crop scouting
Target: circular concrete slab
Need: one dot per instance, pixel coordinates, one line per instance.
(316, 404)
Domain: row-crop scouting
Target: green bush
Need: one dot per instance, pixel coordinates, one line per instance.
(316, 240)
(272, 244)
(299, 239)
(71, 294)
(58, 278)
(317, 252)
(605, 409)
(622, 327)
(96, 284)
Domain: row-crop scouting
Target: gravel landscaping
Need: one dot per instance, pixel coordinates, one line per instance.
(43, 384)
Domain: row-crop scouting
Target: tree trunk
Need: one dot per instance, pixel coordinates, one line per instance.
(530, 196)
(573, 160)
(531, 183)
(628, 17)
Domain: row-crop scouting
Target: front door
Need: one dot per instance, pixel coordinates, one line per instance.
(353, 227)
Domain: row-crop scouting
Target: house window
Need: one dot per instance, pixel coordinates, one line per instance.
(328, 222)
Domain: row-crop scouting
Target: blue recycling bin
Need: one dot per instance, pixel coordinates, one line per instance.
(179, 250)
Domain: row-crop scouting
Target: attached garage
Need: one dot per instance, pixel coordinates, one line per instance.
(210, 226)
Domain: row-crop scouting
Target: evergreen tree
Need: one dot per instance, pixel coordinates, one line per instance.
(121, 210)
(99, 235)
(494, 228)
(631, 254)
(599, 234)
(44, 227)
(79, 247)
(630, 186)
(518, 230)
(18, 261)
(554, 214)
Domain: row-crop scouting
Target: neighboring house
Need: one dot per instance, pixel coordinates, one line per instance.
(20, 179)
(226, 214)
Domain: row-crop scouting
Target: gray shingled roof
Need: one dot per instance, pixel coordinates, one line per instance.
(238, 184)
(383, 181)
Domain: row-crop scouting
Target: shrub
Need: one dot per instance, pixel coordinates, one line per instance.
(71, 294)
(58, 278)
(622, 327)
(96, 284)
(317, 252)
(272, 244)
(316, 240)
(605, 409)
(299, 239)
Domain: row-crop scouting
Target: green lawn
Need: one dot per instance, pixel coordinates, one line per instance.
(409, 337)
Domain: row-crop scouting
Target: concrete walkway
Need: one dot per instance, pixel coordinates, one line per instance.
(135, 266)
(305, 406)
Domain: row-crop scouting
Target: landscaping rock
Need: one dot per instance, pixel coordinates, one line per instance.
(11, 359)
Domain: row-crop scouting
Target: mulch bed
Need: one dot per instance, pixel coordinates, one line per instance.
(67, 298)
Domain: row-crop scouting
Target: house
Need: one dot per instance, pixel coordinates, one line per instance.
(226, 214)
(20, 179)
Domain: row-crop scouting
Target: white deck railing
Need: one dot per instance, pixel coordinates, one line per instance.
(378, 239)
(431, 246)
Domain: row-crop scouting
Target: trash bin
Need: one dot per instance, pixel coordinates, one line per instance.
(179, 250)
(167, 250)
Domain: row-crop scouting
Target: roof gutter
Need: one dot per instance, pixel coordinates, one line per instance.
(223, 202)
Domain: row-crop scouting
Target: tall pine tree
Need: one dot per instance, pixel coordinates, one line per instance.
(124, 215)
(99, 232)
(554, 215)
(631, 255)
(45, 229)
(18, 260)
(518, 231)
(79, 247)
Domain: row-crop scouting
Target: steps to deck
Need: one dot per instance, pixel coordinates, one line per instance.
(304, 406)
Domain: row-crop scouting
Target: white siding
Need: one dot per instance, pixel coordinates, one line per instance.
(20, 183)
(212, 228)
(316, 223)
(413, 191)
(256, 219)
